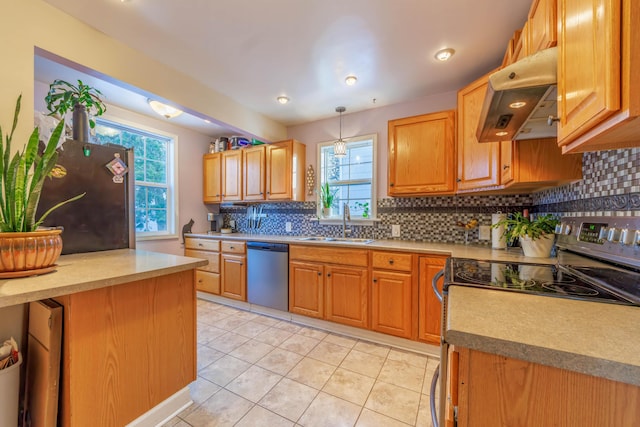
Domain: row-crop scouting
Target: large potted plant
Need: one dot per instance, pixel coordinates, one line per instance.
(82, 99)
(327, 198)
(536, 237)
(24, 248)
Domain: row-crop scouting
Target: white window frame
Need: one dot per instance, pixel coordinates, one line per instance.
(172, 178)
(373, 212)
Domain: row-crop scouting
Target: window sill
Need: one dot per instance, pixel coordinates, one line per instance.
(147, 237)
(338, 221)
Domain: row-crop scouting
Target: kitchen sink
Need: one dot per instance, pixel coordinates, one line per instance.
(337, 239)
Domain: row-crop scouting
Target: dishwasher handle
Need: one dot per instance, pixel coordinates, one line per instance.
(266, 246)
(434, 284)
(432, 397)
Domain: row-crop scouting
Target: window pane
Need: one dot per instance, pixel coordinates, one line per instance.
(156, 149)
(155, 172)
(156, 197)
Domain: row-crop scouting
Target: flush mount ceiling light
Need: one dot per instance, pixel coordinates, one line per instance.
(444, 54)
(351, 80)
(340, 146)
(282, 99)
(167, 111)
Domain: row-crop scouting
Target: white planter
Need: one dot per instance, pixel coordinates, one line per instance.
(539, 248)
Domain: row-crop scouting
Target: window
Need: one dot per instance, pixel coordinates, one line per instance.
(351, 178)
(154, 174)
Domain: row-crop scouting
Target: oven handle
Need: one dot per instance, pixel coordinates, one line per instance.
(432, 397)
(434, 284)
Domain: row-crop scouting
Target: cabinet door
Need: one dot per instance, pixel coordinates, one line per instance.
(208, 282)
(279, 173)
(421, 154)
(234, 277)
(477, 162)
(542, 28)
(232, 176)
(254, 173)
(589, 86)
(429, 306)
(507, 166)
(306, 289)
(347, 295)
(211, 185)
(391, 303)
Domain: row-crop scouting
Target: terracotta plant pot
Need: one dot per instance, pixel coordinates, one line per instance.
(29, 253)
(539, 248)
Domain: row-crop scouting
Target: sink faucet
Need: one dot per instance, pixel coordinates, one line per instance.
(346, 216)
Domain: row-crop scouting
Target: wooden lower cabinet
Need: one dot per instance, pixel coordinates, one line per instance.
(208, 282)
(234, 277)
(306, 288)
(346, 295)
(429, 306)
(391, 303)
(116, 364)
(500, 391)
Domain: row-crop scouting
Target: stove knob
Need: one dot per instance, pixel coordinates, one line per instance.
(627, 236)
(567, 229)
(559, 228)
(603, 233)
(636, 238)
(614, 235)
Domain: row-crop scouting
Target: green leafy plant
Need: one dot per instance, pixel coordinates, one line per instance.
(519, 226)
(63, 96)
(327, 196)
(365, 208)
(23, 176)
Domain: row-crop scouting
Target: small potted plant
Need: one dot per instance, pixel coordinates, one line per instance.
(536, 237)
(365, 208)
(327, 198)
(24, 249)
(82, 99)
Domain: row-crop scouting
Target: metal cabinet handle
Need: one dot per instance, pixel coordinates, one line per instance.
(375, 280)
(459, 180)
(328, 274)
(319, 274)
(432, 398)
(505, 167)
(434, 284)
(391, 261)
(391, 185)
(200, 244)
(230, 247)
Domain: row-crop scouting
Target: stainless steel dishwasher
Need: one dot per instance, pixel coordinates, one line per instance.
(268, 274)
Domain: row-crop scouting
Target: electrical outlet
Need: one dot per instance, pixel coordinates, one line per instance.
(484, 232)
(287, 226)
(232, 223)
(395, 230)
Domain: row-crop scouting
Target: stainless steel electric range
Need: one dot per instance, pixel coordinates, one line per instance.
(613, 242)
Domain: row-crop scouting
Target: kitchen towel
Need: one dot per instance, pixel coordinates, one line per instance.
(498, 241)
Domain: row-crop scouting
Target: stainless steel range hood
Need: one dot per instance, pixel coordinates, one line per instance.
(519, 100)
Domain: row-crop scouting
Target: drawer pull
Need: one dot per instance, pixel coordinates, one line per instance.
(375, 280)
(230, 247)
(319, 274)
(391, 261)
(328, 274)
(200, 244)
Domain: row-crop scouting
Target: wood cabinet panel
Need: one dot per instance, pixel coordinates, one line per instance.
(422, 154)
(115, 360)
(208, 282)
(429, 306)
(542, 28)
(507, 165)
(332, 255)
(285, 169)
(212, 257)
(347, 295)
(232, 175)
(306, 289)
(202, 244)
(254, 162)
(391, 303)
(212, 173)
(391, 260)
(477, 162)
(234, 277)
(233, 247)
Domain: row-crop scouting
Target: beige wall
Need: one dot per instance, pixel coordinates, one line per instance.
(33, 23)
(365, 123)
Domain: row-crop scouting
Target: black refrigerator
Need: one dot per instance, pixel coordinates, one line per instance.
(104, 218)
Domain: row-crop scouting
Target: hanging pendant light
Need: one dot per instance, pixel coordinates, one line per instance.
(339, 146)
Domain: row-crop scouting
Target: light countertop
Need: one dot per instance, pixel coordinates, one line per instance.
(593, 338)
(93, 270)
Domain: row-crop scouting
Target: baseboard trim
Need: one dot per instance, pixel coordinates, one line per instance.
(164, 411)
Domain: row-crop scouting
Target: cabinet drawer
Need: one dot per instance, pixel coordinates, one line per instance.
(208, 282)
(233, 247)
(202, 244)
(331, 255)
(391, 261)
(212, 257)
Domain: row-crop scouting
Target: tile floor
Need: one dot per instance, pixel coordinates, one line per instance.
(254, 370)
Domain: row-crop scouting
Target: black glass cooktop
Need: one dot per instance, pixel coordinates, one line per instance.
(550, 280)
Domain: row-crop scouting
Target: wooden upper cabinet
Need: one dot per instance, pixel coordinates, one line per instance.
(232, 175)
(506, 162)
(542, 26)
(211, 187)
(422, 154)
(254, 172)
(598, 68)
(521, 48)
(478, 163)
(285, 171)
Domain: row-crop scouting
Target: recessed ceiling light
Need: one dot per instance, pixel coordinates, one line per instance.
(167, 111)
(444, 54)
(282, 99)
(503, 133)
(351, 80)
(517, 104)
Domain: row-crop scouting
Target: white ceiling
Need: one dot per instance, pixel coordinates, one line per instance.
(256, 50)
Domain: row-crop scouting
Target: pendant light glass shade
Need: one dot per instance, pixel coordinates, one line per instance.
(339, 146)
(167, 111)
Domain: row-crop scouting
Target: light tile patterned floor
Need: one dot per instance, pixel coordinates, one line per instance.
(254, 370)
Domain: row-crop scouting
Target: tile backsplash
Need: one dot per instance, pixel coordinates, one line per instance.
(611, 186)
